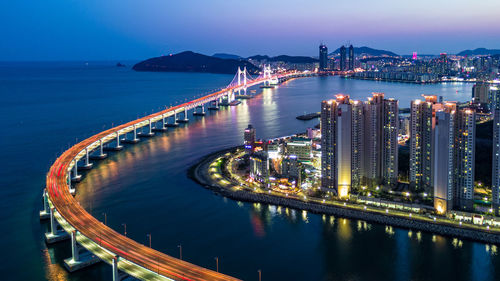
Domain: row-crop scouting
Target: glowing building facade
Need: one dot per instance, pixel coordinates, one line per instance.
(495, 181)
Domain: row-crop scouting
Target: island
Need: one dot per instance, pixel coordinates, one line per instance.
(193, 62)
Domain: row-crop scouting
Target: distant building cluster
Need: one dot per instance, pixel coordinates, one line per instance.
(429, 69)
(340, 62)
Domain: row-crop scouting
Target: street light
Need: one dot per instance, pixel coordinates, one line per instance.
(105, 219)
(260, 274)
(125, 228)
(180, 251)
(217, 263)
(149, 236)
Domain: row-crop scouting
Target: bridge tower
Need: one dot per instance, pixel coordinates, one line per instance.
(267, 75)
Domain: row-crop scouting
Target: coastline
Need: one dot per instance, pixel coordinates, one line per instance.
(199, 173)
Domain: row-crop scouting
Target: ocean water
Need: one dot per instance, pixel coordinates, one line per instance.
(48, 106)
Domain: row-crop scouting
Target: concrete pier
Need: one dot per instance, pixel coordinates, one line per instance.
(134, 139)
(81, 258)
(214, 105)
(162, 127)
(101, 154)
(76, 177)
(56, 233)
(149, 133)
(117, 146)
(45, 213)
(175, 124)
(86, 165)
(197, 113)
(185, 120)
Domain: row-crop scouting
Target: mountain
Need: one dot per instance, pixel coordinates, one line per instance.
(358, 51)
(285, 58)
(193, 62)
(226, 56)
(479, 52)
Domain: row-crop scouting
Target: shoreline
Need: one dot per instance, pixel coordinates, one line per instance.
(199, 173)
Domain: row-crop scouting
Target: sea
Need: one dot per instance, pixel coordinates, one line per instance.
(48, 106)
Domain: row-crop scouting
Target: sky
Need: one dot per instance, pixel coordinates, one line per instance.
(139, 29)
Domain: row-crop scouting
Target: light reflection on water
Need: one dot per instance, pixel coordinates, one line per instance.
(145, 185)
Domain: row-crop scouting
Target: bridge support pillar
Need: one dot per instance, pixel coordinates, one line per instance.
(76, 177)
(117, 146)
(202, 113)
(87, 165)
(101, 154)
(56, 233)
(80, 256)
(117, 274)
(149, 133)
(174, 124)
(185, 120)
(72, 189)
(134, 136)
(162, 128)
(45, 213)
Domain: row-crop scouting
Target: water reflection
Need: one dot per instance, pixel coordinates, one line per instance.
(150, 178)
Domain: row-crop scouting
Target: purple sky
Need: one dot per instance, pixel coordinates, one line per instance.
(137, 29)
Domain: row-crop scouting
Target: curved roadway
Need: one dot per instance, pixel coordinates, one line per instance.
(70, 210)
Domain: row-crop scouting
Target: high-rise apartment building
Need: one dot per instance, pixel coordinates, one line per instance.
(323, 57)
(422, 122)
(390, 117)
(444, 159)
(328, 143)
(495, 181)
(480, 92)
(351, 57)
(358, 143)
(381, 125)
(465, 146)
(343, 58)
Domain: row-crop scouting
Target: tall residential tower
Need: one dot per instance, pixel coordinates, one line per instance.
(323, 57)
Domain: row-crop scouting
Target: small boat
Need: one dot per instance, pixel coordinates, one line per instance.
(234, 102)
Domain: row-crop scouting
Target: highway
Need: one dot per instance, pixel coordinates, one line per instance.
(75, 216)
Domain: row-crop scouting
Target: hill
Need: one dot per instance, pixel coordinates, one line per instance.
(479, 52)
(359, 51)
(193, 62)
(285, 58)
(226, 56)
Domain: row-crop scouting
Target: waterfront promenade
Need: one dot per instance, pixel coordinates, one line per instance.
(214, 172)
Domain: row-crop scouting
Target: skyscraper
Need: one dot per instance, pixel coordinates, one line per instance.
(380, 149)
(465, 146)
(443, 160)
(339, 145)
(328, 142)
(249, 138)
(495, 181)
(421, 128)
(323, 57)
(358, 143)
(390, 142)
(351, 57)
(342, 58)
(480, 92)
(343, 146)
